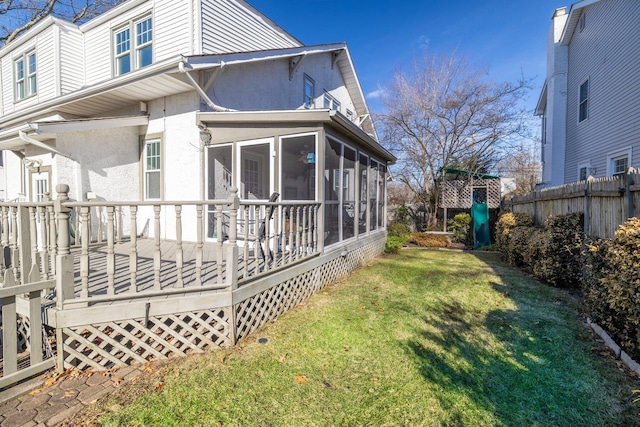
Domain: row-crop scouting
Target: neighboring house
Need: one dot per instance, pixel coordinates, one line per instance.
(589, 101)
(170, 126)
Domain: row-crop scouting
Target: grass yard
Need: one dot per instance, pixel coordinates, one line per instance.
(422, 338)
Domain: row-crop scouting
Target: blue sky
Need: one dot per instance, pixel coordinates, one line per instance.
(508, 37)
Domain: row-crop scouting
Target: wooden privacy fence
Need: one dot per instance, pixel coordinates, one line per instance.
(605, 202)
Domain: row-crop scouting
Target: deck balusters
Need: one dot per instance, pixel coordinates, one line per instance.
(100, 227)
(111, 258)
(156, 252)
(53, 248)
(315, 228)
(245, 248)
(199, 244)
(120, 224)
(287, 240)
(179, 254)
(13, 241)
(44, 237)
(133, 253)
(232, 250)
(5, 238)
(85, 211)
(220, 241)
(300, 244)
(33, 237)
(258, 252)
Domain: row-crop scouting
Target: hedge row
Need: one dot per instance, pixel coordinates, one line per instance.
(607, 270)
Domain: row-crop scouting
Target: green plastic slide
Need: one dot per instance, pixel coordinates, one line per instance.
(480, 215)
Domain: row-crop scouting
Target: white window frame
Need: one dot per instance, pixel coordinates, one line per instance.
(135, 47)
(618, 155)
(25, 86)
(239, 168)
(585, 101)
(330, 102)
(315, 153)
(308, 99)
(585, 165)
(146, 171)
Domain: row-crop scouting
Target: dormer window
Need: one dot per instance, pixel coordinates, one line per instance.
(25, 73)
(137, 52)
(330, 102)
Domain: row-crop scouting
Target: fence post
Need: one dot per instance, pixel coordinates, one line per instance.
(535, 209)
(232, 248)
(630, 182)
(587, 206)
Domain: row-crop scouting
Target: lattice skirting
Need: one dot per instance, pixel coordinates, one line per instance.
(254, 312)
(110, 344)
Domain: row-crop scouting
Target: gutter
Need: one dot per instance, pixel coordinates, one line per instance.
(26, 138)
(202, 93)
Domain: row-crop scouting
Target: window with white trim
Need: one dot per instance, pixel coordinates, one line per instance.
(309, 92)
(583, 108)
(152, 170)
(330, 102)
(618, 162)
(25, 76)
(584, 170)
(133, 53)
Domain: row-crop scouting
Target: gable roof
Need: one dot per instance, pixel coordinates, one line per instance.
(573, 19)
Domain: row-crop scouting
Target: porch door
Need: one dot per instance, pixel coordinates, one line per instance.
(39, 185)
(219, 183)
(255, 177)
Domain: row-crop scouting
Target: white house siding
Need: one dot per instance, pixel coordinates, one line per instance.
(607, 53)
(71, 59)
(44, 45)
(233, 26)
(172, 29)
(97, 52)
(237, 88)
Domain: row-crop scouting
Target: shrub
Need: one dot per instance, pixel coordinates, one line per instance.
(431, 240)
(394, 244)
(397, 236)
(506, 222)
(516, 245)
(399, 229)
(459, 226)
(557, 257)
(622, 284)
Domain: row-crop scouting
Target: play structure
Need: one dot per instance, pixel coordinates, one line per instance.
(480, 216)
(476, 193)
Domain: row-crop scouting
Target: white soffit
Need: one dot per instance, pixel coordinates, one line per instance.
(88, 124)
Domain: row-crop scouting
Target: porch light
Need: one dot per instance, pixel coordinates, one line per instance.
(205, 135)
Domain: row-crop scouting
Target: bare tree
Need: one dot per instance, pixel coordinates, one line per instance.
(524, 167)
(17, 16)
(445, 112)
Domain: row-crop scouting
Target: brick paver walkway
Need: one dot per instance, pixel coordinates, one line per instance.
(53, 404)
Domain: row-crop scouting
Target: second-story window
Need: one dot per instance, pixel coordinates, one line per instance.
(134, 52)
(309, 89)
(25, 72)
(583, 113)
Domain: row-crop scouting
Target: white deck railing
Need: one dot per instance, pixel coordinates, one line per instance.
(104, 251)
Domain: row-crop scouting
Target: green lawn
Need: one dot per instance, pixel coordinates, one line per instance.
(427, 338)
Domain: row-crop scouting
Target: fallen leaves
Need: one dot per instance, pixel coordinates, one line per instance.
(302, 379)
(117, 381)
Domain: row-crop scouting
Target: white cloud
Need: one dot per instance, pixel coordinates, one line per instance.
(376, 94)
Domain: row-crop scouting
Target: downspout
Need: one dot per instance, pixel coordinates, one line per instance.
(201, 92)
(26, 138)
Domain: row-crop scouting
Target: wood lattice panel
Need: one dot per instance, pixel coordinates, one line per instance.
(458, 194)
(110, 344)
(254, 312)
